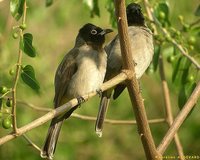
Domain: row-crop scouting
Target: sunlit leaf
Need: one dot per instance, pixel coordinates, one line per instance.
(111, 9)
(162, 12)
(16, 8)
(28, 76)
(27, 46)
(93, 7)
(49, 3)
(95, 10)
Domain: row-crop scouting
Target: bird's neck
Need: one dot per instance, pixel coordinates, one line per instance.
(97, 47)
(141, 24)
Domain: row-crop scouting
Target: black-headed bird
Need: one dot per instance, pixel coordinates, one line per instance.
(141, 41)
(81, 71)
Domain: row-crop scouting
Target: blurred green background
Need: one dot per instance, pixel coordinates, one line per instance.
(54, 30)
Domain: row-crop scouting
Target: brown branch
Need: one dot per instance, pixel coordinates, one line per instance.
(168, 108)
(179, 119)
(132, 84)
(62, 109)
(182, 50)
(18, 69)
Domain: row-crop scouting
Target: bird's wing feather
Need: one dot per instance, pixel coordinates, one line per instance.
(108, 47)
(65, 71)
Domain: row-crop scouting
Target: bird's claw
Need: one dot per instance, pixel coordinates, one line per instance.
(99, 92)
(80, 100)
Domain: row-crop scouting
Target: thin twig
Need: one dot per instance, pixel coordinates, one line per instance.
(168, 108)
(116, 122)
(3, 95)
(183, 51)
(132, 84)
(91, 118)
(42, 109)
(31, 143)
(18, 69)
(62, 109)
(179, 119)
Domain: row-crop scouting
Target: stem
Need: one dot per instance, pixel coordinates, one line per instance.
(132, 84)
(168, 108)
(179, 119)
(18, 69)
(116, 122)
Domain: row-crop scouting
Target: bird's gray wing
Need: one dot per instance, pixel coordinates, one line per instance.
(108, 47)
(65, 71)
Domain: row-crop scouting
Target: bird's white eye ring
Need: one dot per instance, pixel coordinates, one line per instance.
(93, 32)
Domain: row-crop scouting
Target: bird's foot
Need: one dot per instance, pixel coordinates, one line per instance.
(80, 100)
(99, 92)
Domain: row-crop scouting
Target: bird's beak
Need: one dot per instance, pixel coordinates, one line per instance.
(105, 31)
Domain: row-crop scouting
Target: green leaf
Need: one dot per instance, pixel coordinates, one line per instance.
(182, 98)
(27, 46)
(111, 9)
(197, 12)
(1, 101)
(28, 76)
(156, 57)
(93, 6)
(49, 3)
(176, 69)
(184, 94)
(16, 8)
(186, 66)
(162, 13)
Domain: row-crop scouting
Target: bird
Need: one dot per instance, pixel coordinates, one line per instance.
(141, 41)
(81, 71)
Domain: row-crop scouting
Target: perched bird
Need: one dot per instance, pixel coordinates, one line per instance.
(81, 71)
(141, 41)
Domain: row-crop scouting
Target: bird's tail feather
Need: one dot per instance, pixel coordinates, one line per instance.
(105, 99)
(52, 138)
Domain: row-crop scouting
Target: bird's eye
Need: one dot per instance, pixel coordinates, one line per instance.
(93, 32)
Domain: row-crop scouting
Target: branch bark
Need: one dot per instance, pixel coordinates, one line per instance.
(179, 119)
(132, 84)
(62, 109)
(168, 108)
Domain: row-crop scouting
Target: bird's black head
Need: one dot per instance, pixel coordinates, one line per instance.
(134, 15)
(93, 35)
